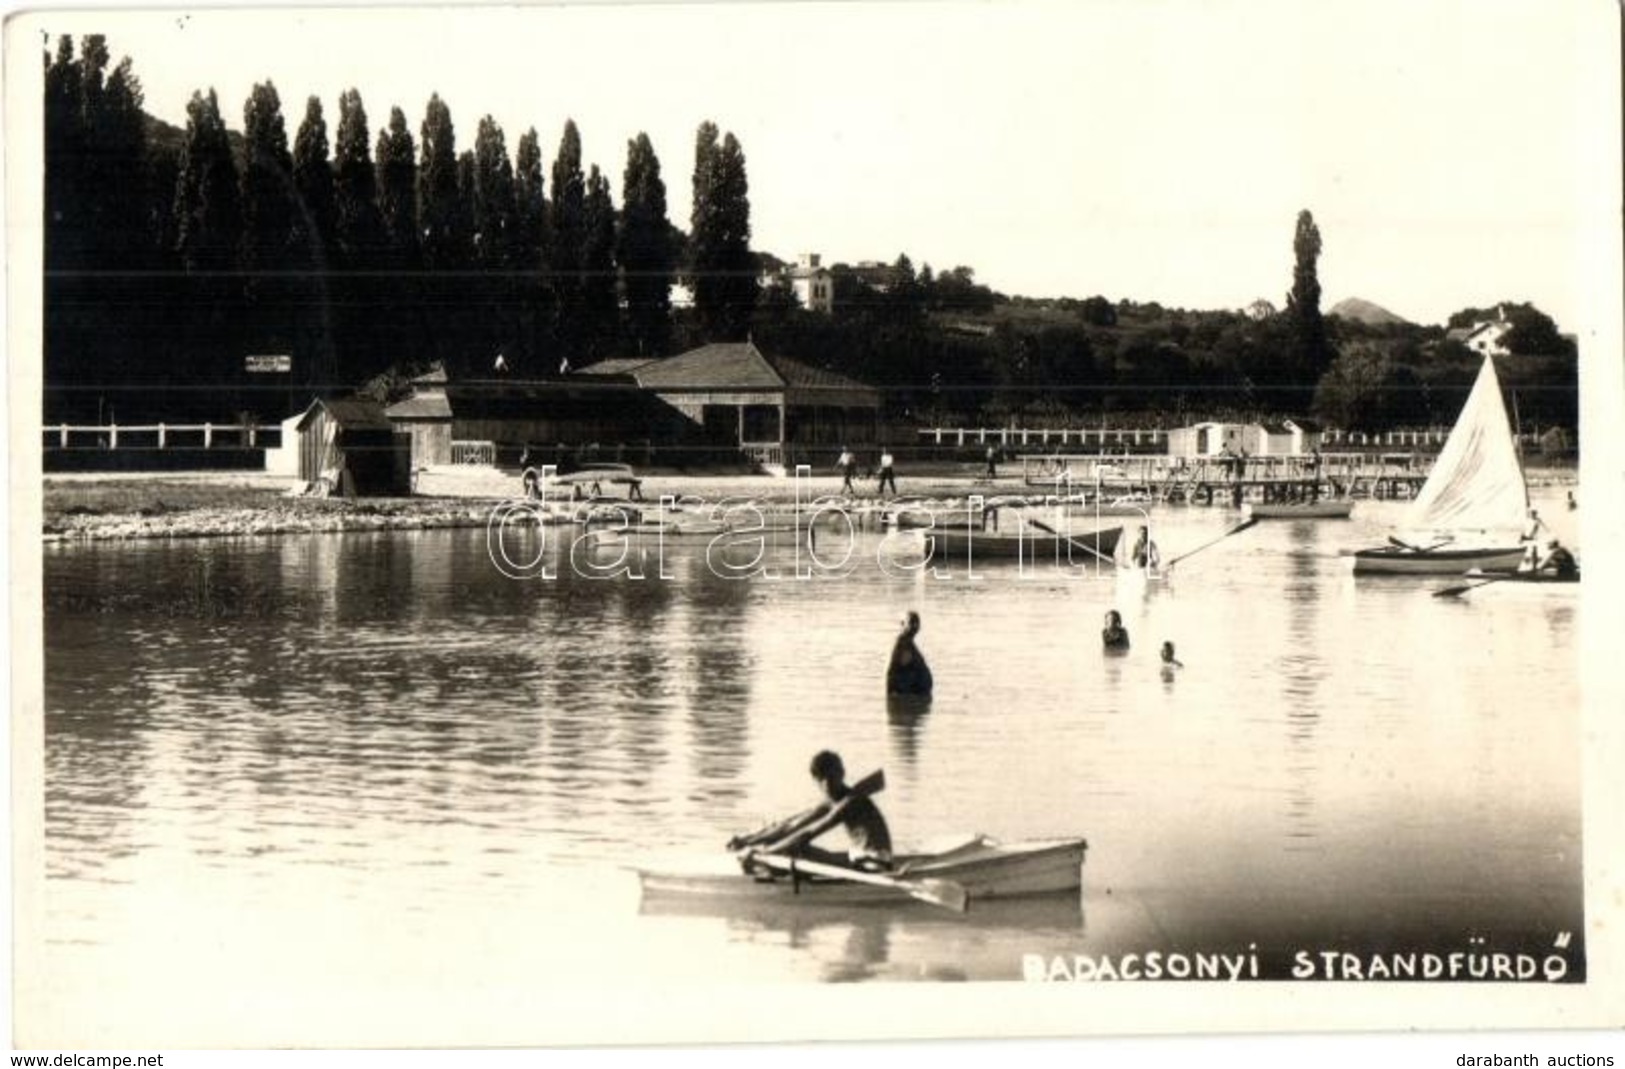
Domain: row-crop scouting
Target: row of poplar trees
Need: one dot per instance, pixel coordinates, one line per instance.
(170, 258)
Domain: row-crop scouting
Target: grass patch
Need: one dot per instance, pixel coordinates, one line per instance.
(149, 497)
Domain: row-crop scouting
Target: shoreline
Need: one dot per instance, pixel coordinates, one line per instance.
(82, 507)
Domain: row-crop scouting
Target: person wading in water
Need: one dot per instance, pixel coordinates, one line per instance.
(908, 674)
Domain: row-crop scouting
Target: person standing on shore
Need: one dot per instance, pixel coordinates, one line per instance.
(887, 476)
(848, 467)
(992, 462)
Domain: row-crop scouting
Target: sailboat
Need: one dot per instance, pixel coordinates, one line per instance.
(1474, 508)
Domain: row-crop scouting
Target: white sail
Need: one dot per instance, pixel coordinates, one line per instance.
(1477, 482)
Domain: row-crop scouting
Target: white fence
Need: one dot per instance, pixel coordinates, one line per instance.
(162, 435)
(474, 453)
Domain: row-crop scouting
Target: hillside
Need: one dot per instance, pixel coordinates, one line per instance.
(1362, 311)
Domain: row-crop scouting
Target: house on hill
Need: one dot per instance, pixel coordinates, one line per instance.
(1486, 337)
(810, 281)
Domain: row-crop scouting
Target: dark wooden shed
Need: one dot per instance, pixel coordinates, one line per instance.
(355, 448)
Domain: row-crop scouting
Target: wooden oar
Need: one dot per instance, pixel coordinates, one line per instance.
(1456, 591)
(873, 783)
(938, 892)
(1420, 549)
(1047, 529)
(1237, 529)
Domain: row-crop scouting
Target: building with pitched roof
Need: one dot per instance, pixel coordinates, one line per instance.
(772, 408)
(719, 400)
(354, 446)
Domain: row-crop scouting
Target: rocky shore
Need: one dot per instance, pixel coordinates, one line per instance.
(209, 505)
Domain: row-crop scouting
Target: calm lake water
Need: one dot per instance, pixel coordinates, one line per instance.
(324, 769)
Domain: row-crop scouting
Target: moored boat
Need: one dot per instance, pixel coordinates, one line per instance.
(986, 870)
(1518, 575)
(1407, 560)
(1328, 509)
(1028, 542)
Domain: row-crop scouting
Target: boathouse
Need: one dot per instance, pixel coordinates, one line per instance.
(717, 401)
(425, 417)
(773, 409)
(353, 448)
(493, 421)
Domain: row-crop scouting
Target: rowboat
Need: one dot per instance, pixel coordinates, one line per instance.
(1299, 510)
(670, 530)
(1427, 560)
(1521, 576)
(986, 869)
(1029, 542)
(1472, 510)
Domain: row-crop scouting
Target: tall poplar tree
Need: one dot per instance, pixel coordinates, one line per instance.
(64, 158)
(271, 295)
(444, 242)
(208, 212)
(97, 226)
(495, 229)
(397, 190)
(600, 301)
(317, 222)
(355, 185)
(313, 183)
(362, 292)
(207, 205)
(723, 267)
(268, 203)
(645, 251)
(533, 289)
(1311, 354)
(124, 236)
(566, 233)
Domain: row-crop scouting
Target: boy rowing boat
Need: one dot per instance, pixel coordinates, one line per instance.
(869, 840)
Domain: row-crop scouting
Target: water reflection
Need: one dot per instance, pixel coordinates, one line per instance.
(906, 716)
(389, 715)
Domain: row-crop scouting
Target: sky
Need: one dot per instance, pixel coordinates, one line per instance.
(1140, 149)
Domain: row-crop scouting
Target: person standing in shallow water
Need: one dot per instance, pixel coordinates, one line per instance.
(1114, 636)
(908, 674)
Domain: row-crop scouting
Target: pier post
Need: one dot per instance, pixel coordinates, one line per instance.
(208, 435)
(112, 440)
(62, 430)
(160, 436)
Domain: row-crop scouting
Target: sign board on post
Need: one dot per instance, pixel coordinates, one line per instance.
(261, 365)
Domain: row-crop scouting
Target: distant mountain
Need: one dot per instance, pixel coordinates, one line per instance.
(1365, 312)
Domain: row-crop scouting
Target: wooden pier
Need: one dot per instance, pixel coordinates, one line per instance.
(1231, 480)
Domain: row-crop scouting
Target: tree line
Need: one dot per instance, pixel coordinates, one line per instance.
(949, 351)
(172, 255)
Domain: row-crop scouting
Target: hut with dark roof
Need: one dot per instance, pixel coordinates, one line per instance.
(352, 448)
